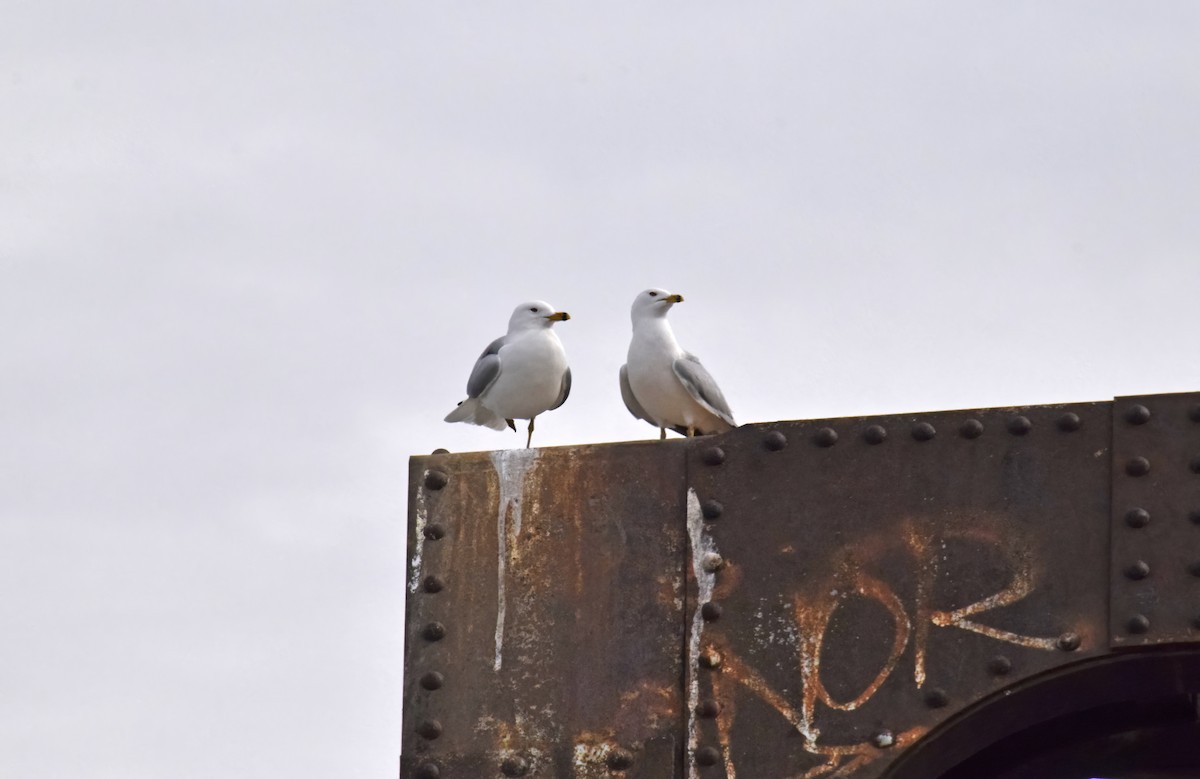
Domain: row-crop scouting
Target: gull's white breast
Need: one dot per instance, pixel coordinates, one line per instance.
(531, 373)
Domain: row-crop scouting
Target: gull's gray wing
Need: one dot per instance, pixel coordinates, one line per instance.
(635, 408)
(486, 369)
(631, 402)
(702, 387)
(563, 391)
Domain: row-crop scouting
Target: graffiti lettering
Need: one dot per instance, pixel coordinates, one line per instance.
(813, 614)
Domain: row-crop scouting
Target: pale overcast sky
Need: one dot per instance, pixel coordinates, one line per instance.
(251, 250)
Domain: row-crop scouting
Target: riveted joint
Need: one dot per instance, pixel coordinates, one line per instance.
(435, 479)
(875, 434)
(1019, 425)
(1137, 466)
(923, 431)
(1137, 570)
(1137, 517)
(514, 765)
(1137, 414)
(1069, 422)
(970, 429)
(1069, 642)
(775, 441)
(619, 759)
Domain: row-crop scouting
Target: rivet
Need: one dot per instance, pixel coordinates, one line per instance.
(619, 759)
(1138, 517)
(713, 562)
(711, 509)
(883, 739)
(1069, 642)
(875, 434)
(1019, 425)
(1194, 569)
(708, 756)
(434, 583)
(435, 532)
(936, 698)
(1000, 665)
(434, 631)
(430, 729)
(1194, 413)
(1138, 466)
(710, 659)
(433, 681)
(514, 765)
(708, 708)
(1138, 623)
(775, 441)
(972, 428)
(826, 437)
(1139, 569)
(428, 771)
(713, 455)
(923, 431)
(441, 451)
(1195, 464)
(1069, 422)
(435, 480)
(711, 611)
(1137, 415)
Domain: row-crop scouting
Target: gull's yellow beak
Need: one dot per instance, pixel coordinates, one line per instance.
(561, 316)
(673, 299)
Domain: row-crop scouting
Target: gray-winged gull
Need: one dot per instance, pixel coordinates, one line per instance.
(520, 374)
(663, 384)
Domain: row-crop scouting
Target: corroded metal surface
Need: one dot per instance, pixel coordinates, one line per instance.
(1155, 566)
(880, 574)
(790, 600)
(545, 613)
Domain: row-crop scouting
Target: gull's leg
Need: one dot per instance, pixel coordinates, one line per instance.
(512, 424)
(662, 434)
(691, 431)
(530, 438)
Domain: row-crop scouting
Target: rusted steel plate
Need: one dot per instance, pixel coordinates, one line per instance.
(1155, 566)
(545, 613)
(854, 582)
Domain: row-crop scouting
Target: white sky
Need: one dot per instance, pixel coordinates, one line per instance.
(251, 250)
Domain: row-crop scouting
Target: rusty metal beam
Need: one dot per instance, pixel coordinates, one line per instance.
(795, 599)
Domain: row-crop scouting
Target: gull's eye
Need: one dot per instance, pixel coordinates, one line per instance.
(534, 309)
(653, 294)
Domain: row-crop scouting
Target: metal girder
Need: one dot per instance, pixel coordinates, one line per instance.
(786, 601)
(545, 604)
(1155, 520)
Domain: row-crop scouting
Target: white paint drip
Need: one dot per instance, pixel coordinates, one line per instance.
(420, 520)
(701, 545)
(512, 465)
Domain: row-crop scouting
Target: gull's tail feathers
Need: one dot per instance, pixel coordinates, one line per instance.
(471, 410)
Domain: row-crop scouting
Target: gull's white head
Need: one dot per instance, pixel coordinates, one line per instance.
(653, 302)
(535, 313)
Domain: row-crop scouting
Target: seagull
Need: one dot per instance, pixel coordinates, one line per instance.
(520, 374)
(663, 384)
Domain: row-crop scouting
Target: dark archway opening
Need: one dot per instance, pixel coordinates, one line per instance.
(1127, 716)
